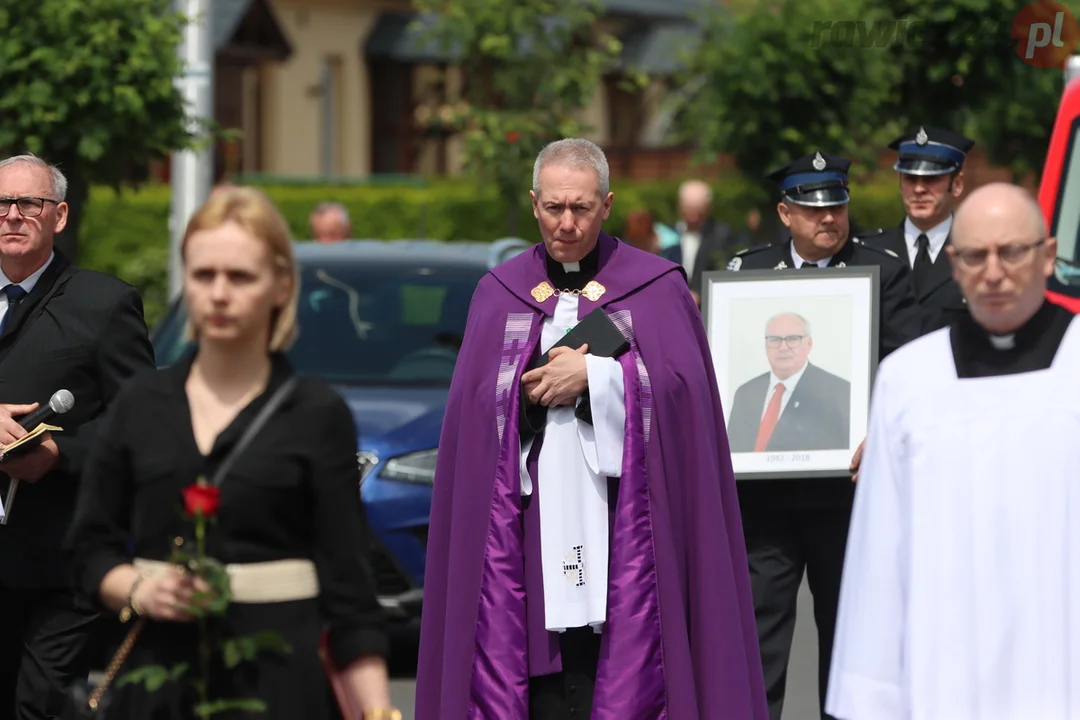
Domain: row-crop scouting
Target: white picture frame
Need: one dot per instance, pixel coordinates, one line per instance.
(752, 321)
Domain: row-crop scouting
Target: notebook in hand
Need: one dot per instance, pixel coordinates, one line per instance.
(598, 332)
(28, 441)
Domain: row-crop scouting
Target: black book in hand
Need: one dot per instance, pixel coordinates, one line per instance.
(595, 330)
(604, 340)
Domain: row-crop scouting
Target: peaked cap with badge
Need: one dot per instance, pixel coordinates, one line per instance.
(815, 180)
(930, 151)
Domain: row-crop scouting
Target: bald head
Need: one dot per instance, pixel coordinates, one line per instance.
(1001, 256)
(695, 202)
(1000, 201)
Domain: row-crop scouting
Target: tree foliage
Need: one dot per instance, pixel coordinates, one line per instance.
(89, 85)
(962, 71)
(530, 67)
(768, 84)
(780, 77)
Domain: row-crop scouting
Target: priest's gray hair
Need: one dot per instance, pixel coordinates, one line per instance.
(804, 321)
(56, 178)
(574, 152)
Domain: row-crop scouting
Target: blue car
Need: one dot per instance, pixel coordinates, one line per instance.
(382, 322)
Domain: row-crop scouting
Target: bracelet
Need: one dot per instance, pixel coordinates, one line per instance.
(382, 714)
(132, 607)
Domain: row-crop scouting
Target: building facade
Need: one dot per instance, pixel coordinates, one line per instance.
(320, 88)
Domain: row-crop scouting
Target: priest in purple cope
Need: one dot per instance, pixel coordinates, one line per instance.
(586, 554)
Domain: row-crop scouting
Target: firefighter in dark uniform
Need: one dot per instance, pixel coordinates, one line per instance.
(930, 163)
(797, 525)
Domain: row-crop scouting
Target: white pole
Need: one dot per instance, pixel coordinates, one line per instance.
(192, 171)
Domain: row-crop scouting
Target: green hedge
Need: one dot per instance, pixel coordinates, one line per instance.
(127, 234)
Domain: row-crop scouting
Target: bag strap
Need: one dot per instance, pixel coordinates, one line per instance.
(264, 414)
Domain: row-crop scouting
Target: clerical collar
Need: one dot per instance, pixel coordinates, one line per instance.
(978, 353)
(573, 276)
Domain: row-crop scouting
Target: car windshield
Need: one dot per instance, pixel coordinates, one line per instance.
(367, 325)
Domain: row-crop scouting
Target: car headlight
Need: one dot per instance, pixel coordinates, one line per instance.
(417, 467)
(367, 462)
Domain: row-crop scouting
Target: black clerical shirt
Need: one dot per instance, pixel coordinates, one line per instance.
(563, 279)
(1032, 347)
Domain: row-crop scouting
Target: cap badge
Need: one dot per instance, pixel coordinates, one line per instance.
(819, 162)
(921, 137)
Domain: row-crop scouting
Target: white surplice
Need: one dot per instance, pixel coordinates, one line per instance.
(572, 470)
(961, 589)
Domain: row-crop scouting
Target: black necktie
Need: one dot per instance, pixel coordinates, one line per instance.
(922, 262)
(14, 294)
(807, 265)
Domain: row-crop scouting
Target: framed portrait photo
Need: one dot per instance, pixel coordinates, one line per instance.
(795, 355)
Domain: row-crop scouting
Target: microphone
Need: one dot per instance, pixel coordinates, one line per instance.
(60, 402)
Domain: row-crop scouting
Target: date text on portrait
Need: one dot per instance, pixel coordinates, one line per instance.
(787, 457)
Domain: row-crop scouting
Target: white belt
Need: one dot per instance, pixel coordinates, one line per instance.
(262, 582)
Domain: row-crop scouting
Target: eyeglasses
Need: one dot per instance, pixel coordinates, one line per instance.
(1012, 255)
(792, 341)
(29, 207)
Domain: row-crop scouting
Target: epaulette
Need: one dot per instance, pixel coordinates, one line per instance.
(871, 234)
(875, 248)
(736, 262)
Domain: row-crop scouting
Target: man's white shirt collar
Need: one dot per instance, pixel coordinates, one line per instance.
(799, 262)
(937, 236)
(791, 382)
(29, 283)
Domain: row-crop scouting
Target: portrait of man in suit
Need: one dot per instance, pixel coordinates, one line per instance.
(796, 406)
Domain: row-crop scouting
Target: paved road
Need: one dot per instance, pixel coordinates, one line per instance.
(802, 701)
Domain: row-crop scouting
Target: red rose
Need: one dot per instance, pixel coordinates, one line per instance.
(513, 136)
(202, 499)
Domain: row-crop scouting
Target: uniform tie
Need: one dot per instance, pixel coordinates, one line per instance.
(768, 423)
(14, 293)
(922, 262)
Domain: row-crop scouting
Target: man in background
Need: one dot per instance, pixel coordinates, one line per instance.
(800, 525)
(930, 163)
(330, 223)
(60, 328)
(704, 244)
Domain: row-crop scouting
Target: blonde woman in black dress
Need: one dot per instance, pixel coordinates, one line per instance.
(290, 523)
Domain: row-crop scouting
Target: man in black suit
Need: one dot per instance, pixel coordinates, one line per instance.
(930, 163)
(796, 406)
(60, 327)
(793, 526)
(704, 244)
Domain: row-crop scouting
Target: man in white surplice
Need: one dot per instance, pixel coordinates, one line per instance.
(961, 589)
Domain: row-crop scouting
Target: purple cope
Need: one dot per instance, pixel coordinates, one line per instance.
(680, 641)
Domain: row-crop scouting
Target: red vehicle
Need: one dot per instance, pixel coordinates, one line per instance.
(1059, 192)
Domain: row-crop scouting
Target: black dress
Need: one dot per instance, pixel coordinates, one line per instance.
(292, 493)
